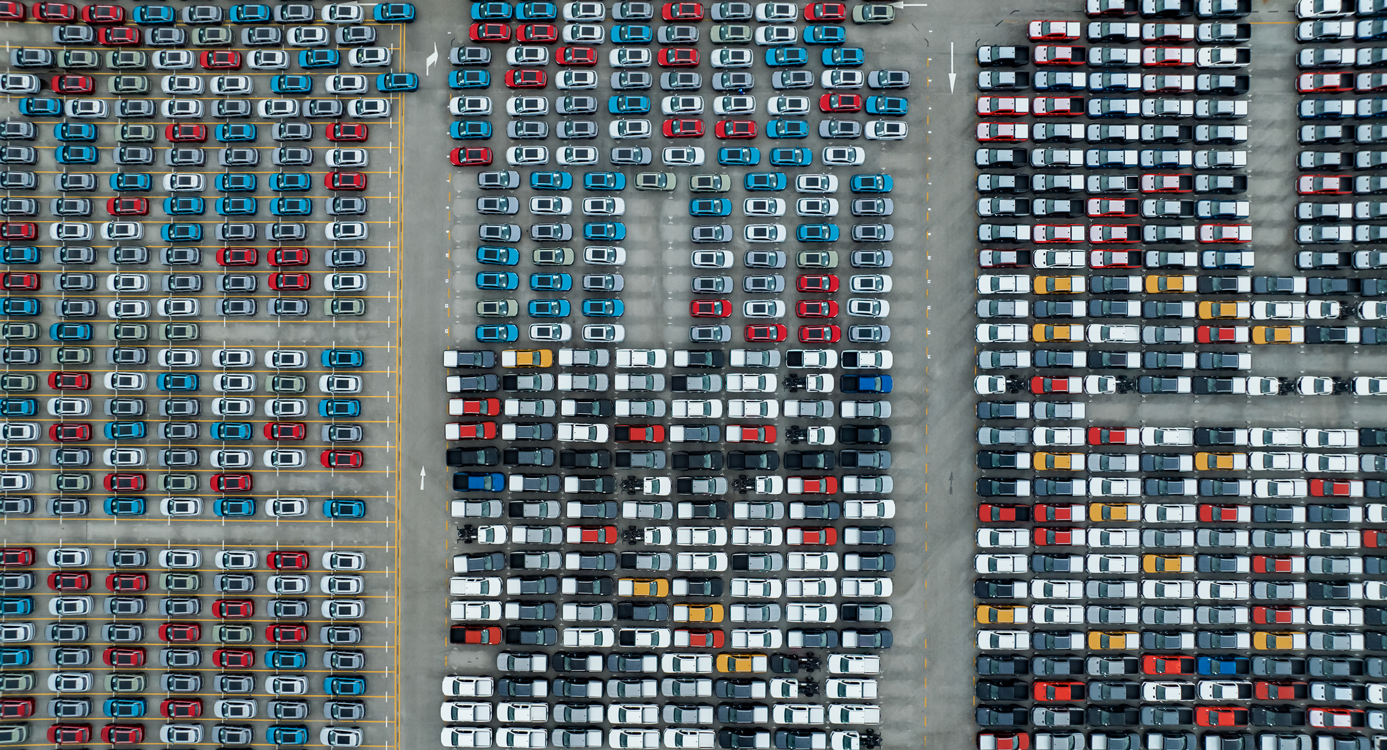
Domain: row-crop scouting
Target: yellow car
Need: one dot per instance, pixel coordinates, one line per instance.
(1278, 334)
(1114, 512)
(527, 358)
(1224, 310)
(1114, 640)
(1058, 461)
(642, 587)
(1008, 615)
(1205, 461)
(1168, 284)
(1167, 563)
(1041, 332)
(1060, 284)
(1263, 641)
(698, 613)
(742, 662)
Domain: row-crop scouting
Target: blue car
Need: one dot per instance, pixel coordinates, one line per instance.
(124, 506)
(785, 57)
(502, 333)
(33, 106)
(469, 79)
(170, 381)
(762, 181)
(604, 181)
(493, 280)
(390, 82)
(491, 11)
(610, 231)
(124, 430)
(237, 206)
(235, 132)
(70, 331)
(278, 735)
(394, 13)
(232, 431)
(281, 658)
(344, 508)
(20, 306)
(16, 605)
(345, 685)
(1223, 665)
(296, 206)
(550, 181)
(876, 383)
(75, 131)
(603, 308)
(628, 104)
(791, 157)
(343, 358)
(248, 13)
(18, 407)
(155, 15)
(77, 155)
(746, 156)
(184, 205)
(536, 11)
(123, 708)
(16, 656)
(549, 308)
(287, 84)
(319, 58)
(339, 407)
(234, 507)
(840, 57)
(870, 183)
(181, 232)
(467, 481)
(887, 105)
(131, 183)
(550, 282)
(710, 207)
(498, 256)
(787, 129)
(19, 254)
(236, 182)
(470, 130)
(631, 34)
(817, 233)
(282, 182)
(817, 34)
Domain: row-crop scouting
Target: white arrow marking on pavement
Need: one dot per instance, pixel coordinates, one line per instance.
(421, 479)
(431, 60)
(952, 77)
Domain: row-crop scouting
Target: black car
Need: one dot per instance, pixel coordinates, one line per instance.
(810, 460)
(469, 358)
(699, 358)
(1002, 716)
(1277, 717)
(756, 460)
(701, 460)
(709, 587)
(602, 407)
(869, 459)
(539, 636)
(642, 612)
(736, 688)
(526, 457)
(474, 456)
(741, 713)
(987, 588)
(798, 739)
(567, 688)
(529, 585)
(813, 638)
(576, 662)
(595, 459)
(995, 665)
(1113, 716)
(588, 586)
(511, 687)
(742, 739)
(1003, 690)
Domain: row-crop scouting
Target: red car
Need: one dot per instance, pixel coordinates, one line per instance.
(537, 33)
(180, 708)
(286, 431)
(484, 636)
(576, 56)
(1225, 513)
(342, 459)
(119, 583)
(124, 482)
(103, 14)
(1280, 691)
(682, 12)
(473, 430)
(683, 128)
(1336, 488)
(289, 256)
(238, 609)
(1054, 536)
(19, 281)
(69, 581)
(595, 534)
(69, 381)
(1154, 665)
(816, 535)
(489, 32)
(678, 57)
(72, 84)
(16, 708)
(18, 230)
(233, 658)
(122, 734)
(819, 334)
(290, 282)
(1221, 334)
(817, 283)
(1278, 615)
(232, 482)
(69, 432)
(180, 632)
(485, 407)
(55, 12)
(830, 12)
(127, 206)
(238, 256)
(348, 131)
(1041, 384)
(1113, 436)
(1278, 564)
(221, 60)
(470, 157)
(816, 485)
(1051, 513)
(699, 638)
(185, 132)
(734, 129)
(286, 633)
(115, 656)
(751, 433)
(284, 560)
(1114, 259)
(71, 734)
(710, 308)
(840, 103)
(118, 36)
(16, 555)
(1048, 692)
(989, 513)
(772, 332)
(526, 79)
(816, 308)
(1220, 716)
(357, 180)
(639, 433)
